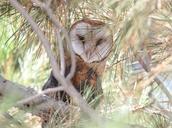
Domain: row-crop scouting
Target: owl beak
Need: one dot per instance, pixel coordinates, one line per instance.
(90, 52)
(84, 57)
(88, 55)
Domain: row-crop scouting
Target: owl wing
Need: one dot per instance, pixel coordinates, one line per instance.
(86, 78)
(51, 82)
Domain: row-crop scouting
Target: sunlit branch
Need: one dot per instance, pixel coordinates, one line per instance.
(61, 52)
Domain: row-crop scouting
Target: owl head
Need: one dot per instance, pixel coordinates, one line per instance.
(91, 40)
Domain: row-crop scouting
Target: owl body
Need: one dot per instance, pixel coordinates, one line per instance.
(91, 41)
(86, 76)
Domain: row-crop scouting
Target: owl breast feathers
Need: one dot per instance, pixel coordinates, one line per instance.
(92, 42)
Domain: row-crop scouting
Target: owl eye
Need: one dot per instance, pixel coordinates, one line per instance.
(81, 38)
(100, 41)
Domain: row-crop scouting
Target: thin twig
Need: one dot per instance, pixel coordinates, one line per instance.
(40, 34)
(61, 52)
(52, 17)
(47, 91)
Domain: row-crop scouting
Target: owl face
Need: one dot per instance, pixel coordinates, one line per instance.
(91, 40)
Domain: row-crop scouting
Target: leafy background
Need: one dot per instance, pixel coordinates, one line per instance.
(140, 28)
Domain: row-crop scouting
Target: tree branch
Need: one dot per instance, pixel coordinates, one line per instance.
(36, 104)
(61, 52)
(52, 17)
(155, 72)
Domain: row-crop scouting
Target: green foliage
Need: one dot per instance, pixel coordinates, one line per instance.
(139, 27)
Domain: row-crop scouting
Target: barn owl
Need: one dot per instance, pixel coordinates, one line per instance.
(91, 42)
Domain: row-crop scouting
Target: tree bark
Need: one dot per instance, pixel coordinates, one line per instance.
(41, 105)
